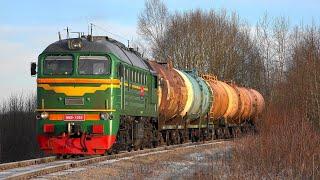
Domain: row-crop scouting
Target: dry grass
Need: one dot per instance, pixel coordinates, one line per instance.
(287, 146)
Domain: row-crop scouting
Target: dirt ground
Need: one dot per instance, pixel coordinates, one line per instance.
(202, 162)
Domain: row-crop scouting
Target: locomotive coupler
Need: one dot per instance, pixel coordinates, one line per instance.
(74, 130)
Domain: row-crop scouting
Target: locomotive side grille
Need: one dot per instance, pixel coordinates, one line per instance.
(74, 101)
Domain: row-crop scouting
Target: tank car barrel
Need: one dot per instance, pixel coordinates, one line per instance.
(172, 92)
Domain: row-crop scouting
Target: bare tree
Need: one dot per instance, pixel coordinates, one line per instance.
(216, 43)
(281, 45)
(152, 25)
(304, 73)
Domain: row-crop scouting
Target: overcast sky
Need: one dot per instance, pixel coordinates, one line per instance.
(27, 27)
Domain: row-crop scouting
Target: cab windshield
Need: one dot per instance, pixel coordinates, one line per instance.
(94, 65)
(58, 65)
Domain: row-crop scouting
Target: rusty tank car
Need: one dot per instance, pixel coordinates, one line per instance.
(196, 103)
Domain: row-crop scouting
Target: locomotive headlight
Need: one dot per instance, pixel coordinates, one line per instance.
(104, 116)
(75, 44)
(44, 115)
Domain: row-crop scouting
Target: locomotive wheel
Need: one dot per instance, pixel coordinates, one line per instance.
(116, 151)
(109, 152)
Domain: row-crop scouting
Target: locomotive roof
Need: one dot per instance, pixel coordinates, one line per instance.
(102, 44)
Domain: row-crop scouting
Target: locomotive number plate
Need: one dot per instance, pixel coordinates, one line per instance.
(74, 117)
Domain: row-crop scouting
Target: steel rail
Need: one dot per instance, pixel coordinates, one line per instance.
(60, 165)
(29, 162)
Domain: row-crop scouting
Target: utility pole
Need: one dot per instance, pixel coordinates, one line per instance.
(91, 28)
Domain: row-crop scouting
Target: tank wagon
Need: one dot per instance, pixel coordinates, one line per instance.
(96, 96)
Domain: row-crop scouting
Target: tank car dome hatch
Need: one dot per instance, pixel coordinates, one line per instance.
(101, 44)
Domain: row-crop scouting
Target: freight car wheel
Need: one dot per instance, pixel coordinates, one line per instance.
(226, 132)
(161, 139)
(174, 137)
(167, 138)
(179, 138)
(237, 132)
(213, 135)
(154, 144)
(219, 133)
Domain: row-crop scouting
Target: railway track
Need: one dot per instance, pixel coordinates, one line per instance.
(29, 162)
(42, 166)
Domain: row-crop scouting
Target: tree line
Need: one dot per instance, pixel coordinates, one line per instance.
(270, 56)
(18, 128)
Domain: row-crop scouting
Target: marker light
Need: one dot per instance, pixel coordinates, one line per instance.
(97, 129)
(48, 128)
